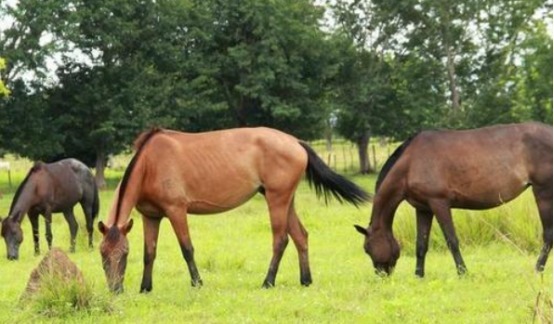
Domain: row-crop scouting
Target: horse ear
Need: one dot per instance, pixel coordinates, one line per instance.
(127, 228)
(361, 230)
(102, 228)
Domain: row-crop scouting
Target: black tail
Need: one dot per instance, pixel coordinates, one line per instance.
(326, 182)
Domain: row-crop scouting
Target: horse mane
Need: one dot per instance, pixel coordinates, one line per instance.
(37, 166)
(392, 160)
(139, 144)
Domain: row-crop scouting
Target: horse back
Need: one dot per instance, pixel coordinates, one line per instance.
(62, 184)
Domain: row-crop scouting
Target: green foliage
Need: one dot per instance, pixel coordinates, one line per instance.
(256, 63)
(455, 64)
(23, 44)
(3, 90)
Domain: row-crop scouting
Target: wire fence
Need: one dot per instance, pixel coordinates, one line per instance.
(342, 155)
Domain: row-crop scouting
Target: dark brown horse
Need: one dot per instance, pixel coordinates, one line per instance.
(51, 188)
(473, 169)
(173, 174)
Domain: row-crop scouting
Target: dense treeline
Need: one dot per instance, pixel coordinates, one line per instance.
(85, 77)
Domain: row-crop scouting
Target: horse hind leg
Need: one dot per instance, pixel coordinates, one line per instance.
(543, 197)
(73, 228)
(299, 236)
(278, 212)
(89, 219)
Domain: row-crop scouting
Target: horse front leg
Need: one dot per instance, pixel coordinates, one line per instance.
(33, 218)
(424, 222)
(444, 218)
(543, 197)
(181, 229)
(151, 228)
(73, 228)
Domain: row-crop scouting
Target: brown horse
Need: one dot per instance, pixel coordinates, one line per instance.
(472, 169)
(173, 174)
(51, 188)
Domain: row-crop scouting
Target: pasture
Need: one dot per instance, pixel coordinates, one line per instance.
(233, 250)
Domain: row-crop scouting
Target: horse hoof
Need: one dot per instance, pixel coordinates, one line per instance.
(267, 285)
(196, 283)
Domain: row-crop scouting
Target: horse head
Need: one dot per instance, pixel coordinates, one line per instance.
(13, 236)
(114, 250)
(382, 248)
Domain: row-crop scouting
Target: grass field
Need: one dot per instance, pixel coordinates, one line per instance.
(233, 250)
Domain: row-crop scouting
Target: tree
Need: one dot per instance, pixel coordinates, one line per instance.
(102, 97)
(25, 46)
(533, 95)
(477, 43)
(258, 63)
(364, 97)
(362, 82)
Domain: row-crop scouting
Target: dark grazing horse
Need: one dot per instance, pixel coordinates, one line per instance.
(51, 188)
(173, 174)
(471, 169)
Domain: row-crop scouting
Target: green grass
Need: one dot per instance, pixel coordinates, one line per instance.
(233, 250)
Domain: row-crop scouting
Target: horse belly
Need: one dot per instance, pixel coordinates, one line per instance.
(468, 186)
(209, 205)
(486, 199)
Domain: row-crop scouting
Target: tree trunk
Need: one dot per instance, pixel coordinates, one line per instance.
(454, 93)
(450, 65)
(363, 143)
(100, 166)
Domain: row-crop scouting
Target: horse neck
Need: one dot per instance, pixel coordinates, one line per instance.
(384, 209)
(129, 199)
(24, 200)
